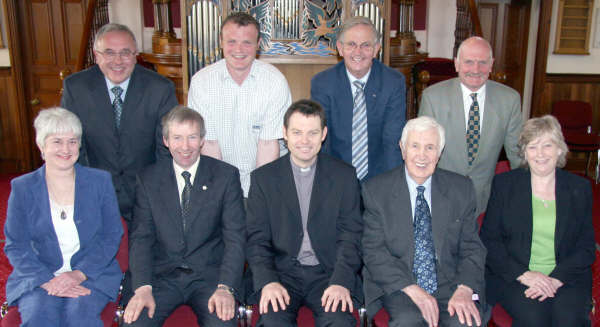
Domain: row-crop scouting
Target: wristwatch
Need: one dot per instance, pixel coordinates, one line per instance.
(226, 288)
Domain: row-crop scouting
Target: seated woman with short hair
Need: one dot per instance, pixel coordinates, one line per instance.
(62, 231)
(539, 235)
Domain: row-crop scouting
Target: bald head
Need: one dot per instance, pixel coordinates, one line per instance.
(474, 62)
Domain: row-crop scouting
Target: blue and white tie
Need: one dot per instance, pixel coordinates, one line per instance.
(360, 139)
(424, 265)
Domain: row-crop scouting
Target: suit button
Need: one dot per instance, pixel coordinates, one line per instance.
(121, 173)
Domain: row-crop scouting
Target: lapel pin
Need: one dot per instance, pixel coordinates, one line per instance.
(204, 187)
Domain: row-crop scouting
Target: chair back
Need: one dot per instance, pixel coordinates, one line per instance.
(574, 116)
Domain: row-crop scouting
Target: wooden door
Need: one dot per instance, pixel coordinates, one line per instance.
(505, 24)
(50, 33)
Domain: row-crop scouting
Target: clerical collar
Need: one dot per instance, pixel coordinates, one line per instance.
(303, 170)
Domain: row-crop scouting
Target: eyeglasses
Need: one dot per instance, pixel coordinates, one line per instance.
(351, 46)
(112, 55)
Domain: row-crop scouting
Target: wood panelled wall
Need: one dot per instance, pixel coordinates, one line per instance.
(14, 142)
(571, 87)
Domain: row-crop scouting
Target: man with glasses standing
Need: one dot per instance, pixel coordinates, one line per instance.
(120, 105)
(364, 100)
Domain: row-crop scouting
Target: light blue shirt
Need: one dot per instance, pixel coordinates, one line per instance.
(123, 85)
(412, 189)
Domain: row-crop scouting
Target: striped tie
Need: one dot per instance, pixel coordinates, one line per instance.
(117, 104)
(473, 130)
(360, 151)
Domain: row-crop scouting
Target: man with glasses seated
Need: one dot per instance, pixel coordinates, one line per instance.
(120, 105)
(364, 101)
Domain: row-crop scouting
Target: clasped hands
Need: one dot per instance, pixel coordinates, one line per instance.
(221, 302)
(540, 286)
(67, 284)
(461, 303)
(275, 294)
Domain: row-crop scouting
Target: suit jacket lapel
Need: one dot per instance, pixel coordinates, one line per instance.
(563, 201)
(346, 102)
(135, 90)
(457, 119)
(320, 189)
(287, 188)
(202, 185)
(490, 119)
(401, 218)
(42, 200)
(171, 200)
(440, 213)
(100, 97)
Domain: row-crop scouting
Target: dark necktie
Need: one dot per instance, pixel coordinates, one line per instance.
(117, 104)
(424, 265)
(185, 197)
(360, 151)
(473, 130)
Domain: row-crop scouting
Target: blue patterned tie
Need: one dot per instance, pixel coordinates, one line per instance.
(473, 130)
(424, 265)
(117, 104)
(360, 140)
(185, 197)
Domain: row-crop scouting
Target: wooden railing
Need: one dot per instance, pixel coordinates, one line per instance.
(96, 16)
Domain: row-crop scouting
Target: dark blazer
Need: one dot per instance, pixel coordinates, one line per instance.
(214, 239)
(138, 142)
(385, 94)
(388, 238)
(507, 228)
(32, 244)
(275, 225)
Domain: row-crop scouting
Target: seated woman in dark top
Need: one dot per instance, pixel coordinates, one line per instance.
(62, 231)
(539, 235)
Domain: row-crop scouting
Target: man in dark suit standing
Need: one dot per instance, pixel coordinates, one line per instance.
(364, 101)
(304, 228)
(426, 266)
(188, 233)
(120, 105)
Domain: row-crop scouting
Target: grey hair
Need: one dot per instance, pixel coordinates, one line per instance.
(471, 39)
(55, 121)
(112, 27)
(536, 127)
(358, 20)
(180, 114)
(422, 124)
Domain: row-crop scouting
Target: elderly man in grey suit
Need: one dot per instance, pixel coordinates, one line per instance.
(480, 116)
(425, 266)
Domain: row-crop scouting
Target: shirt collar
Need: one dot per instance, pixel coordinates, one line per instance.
(226, 76)
(467, 92)
(123, 85)
(412, 185)
(192, 170)
(363, 79)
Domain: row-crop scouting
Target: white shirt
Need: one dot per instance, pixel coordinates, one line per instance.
(364, 80)
(412, 189)
(124, 85)
(180, 180)
(238, 116)
(66, 231)
(468, 101)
